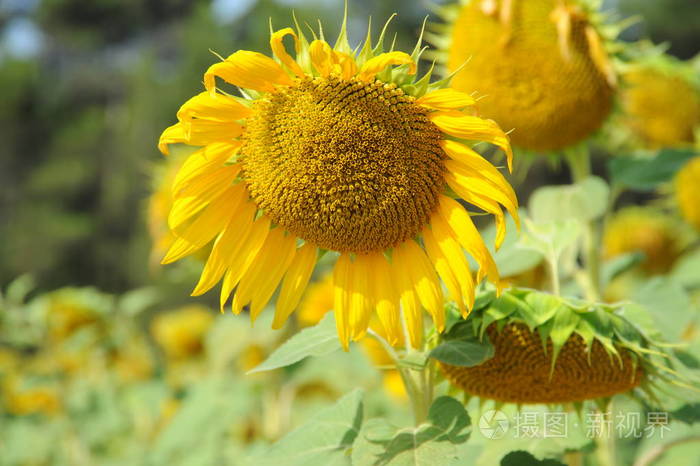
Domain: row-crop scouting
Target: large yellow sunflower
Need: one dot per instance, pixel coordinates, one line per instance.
(336, 151)
(539, 67)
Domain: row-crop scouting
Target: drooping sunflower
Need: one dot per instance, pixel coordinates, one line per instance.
(646, 230)
(339, 151)
(538, 67)
(551, 350)
(688, 191)
(661, 102)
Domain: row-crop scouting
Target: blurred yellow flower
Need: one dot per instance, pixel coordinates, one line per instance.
(646, 230)
(66, 314)
(251, 356)
(318, 299)
(341, 150)
(661, 105)
(688, 192)
(35, 400)
(181, 333)
(538, 67)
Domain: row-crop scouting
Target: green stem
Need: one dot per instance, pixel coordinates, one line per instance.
(417, 391)
(579, 160)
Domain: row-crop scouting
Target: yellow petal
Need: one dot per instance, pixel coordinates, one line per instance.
(249, 70)
(425, 282)
(227, 243)
(442, 266)
(341, 299)
(199, 194)
(171, 135)
(204, 162)
(360, 305)
(212, 221)
(294, 283)
(243, 257)
(452, 252)
(410, 303)
(214, 107)
(344, 65)
(446, 99)
(384, 297)
(473, 196)
(198, 133)
(473, 128)
(321, 57)
(464, 231)
(261, 280)
(481, 167)
(377, 64)
(280, 52)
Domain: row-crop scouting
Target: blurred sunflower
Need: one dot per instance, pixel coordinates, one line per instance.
(540, 67)
(548, 350)
(181, 333)
(317, 300)
(661, 102)
(646, 230)
(688, 192)
(338, 151)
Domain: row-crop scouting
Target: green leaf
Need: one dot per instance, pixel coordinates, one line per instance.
(686, 271)
(620, 264)
(510, 258)
(542, 307)
(523, 458)
(431, 443)
(646, 173)
(551, 238)
(582, 201)
(565, 322)
(464, 353)
(325, 440)
(688, 413)
(313, 341)
(668, 303)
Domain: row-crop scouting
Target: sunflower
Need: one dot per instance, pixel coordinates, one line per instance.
(661, 102)
(688, 191)
(335, 151)
(646, 230)
(551, 350)
(181, 333)
(539, 67)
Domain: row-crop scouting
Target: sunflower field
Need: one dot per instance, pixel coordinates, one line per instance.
(348, 232)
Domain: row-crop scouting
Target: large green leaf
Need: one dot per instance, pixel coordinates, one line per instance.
(646, 173)
(431, 443)
(668, 303)
(586, 200)
(314, 341)
(325, 440)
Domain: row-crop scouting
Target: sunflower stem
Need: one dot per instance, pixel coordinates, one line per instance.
(419, 392)
(579, 160)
